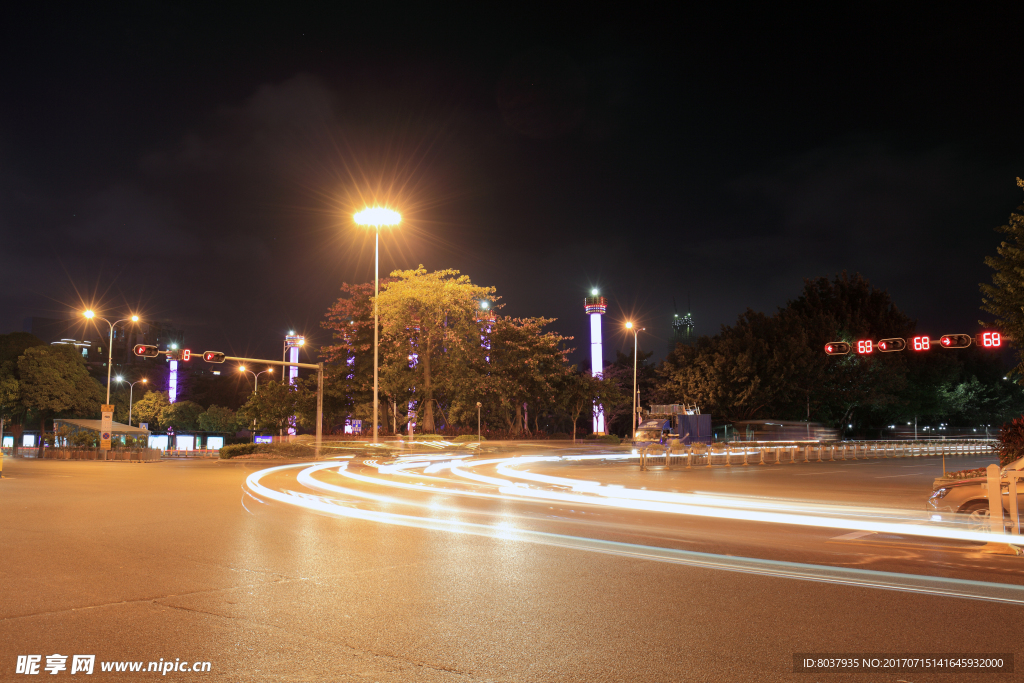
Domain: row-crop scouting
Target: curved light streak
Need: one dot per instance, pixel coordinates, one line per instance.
(914, 583)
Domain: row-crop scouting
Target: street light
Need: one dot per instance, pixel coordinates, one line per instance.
(255, 376)
(110, 346)
(376, 217)
(478, 406)
(636, 332)
(131, 387)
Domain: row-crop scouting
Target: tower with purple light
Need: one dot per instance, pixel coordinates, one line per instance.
(292, 343)
(595, 306)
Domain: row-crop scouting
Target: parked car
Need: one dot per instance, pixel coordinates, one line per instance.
(970, 497)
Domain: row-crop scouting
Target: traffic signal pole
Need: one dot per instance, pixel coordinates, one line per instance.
(148, 351)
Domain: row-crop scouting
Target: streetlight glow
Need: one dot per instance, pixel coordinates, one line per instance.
(593, 292)
(629, 325)
(119, 378)
(241, 368)
(377, 217)
(89, 314)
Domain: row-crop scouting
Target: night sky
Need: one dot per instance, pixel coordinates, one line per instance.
(201, 165)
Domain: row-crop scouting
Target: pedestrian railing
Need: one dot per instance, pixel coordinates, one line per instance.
(740, 454)
(194, 453)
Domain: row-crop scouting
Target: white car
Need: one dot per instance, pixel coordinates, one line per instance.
(969, 497)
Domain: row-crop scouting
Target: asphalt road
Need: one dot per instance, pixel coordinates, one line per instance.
(183, 560)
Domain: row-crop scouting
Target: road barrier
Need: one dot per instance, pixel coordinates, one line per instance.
(743, 454)
(194, 453)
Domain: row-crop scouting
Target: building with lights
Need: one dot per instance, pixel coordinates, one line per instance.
(683, 331)
(595, 306)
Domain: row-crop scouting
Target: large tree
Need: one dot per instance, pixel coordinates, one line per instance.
(271, 407)
(525, 367)
(217, 419)
(1004, 298)
(149, 408)
(54, 380)
(774, 366)
(431, 322)
(183, 416)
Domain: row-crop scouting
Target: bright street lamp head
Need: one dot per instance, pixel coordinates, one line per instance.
(629, 325)
(174, 346)
(593, 292)
(89, 314)
(377, 217)
(484, 305)
(119, 378)
(241, 368)
(144, 380)
(135, 318)
(302, 342)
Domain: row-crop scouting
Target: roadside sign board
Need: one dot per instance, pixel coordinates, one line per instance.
(106, 425)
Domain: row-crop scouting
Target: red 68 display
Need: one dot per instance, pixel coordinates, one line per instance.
(921, 343)
(865, 346)
(990, 340)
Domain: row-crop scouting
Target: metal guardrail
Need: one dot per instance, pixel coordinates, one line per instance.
(702, 455)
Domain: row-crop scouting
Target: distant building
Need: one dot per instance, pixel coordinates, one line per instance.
(683, 331)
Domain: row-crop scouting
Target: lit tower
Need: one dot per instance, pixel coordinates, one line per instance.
(595, 306)
(292, 343)
(172, 378)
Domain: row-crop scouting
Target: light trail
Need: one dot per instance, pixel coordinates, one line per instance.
(914, 583)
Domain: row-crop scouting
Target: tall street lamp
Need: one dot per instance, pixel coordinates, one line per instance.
(255, 377)
(636, 332)
(110, 346)
(131, 387)
(376, 217)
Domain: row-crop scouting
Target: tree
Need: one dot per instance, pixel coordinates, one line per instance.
(431, 322)
(54, 380)
(182, 416)
(217, 419)
(773, 366)
(1004, 298)
(271, 407)
(149, 409)
(526, 364)
(578, 391)
(12, 346)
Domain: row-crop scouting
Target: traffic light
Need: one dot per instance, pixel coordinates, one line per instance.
(889, 345)
(213, 356)
(865, 346)
(837, 348)
(146, 351)
(989, 340)
(955, 341)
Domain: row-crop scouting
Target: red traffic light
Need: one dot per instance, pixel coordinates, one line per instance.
(955, 341)
(146, 351)
(865, 346)
(990, 340)
(837, 348)
(213, 356)
(890, 345)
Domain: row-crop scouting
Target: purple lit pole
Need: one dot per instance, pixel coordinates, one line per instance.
(596, 306)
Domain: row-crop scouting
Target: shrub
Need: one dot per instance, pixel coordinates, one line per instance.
(235, 450)
(561, 436)
(1011, 436)
(607, 438)
(966, 474)
(463, 438)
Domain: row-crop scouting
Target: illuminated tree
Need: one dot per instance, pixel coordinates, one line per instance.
(429, 320)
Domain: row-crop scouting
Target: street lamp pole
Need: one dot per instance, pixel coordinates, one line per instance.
(131, 388)
(478, 405)
(636, 332)
(376, 217)
(255, 377)
(110, 345)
